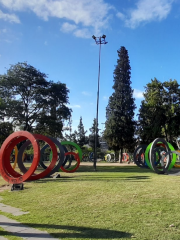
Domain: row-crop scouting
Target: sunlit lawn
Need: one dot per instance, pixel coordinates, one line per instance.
(111, 203)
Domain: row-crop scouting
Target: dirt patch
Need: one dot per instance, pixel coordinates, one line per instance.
(107, 164)
(4, 187)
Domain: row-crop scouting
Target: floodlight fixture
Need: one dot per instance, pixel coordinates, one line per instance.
(93, 37)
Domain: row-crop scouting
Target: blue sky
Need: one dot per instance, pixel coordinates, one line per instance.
(55, 36)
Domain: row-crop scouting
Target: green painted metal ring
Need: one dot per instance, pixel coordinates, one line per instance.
(147, 156)
(74, 145)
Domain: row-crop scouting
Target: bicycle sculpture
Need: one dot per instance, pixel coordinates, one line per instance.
(160, 156)
(59, 157)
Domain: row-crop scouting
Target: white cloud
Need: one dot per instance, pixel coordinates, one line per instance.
(78, 32)
(45, 43)
(138, 93)
(9, 17)
(86, 93)
(87, 14)
(120, 15)
(74, 106)
(67, 27)
(105, 98)
(147, 11)
(83, 33)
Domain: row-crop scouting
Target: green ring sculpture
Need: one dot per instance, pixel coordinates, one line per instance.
(74, 145)
(147, 156)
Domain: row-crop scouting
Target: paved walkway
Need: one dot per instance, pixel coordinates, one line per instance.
(18, 229)
(23, 231)
(8, 209)
(3, 238)
(12, 210)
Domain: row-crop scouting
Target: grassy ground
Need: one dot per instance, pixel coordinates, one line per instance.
(112, 203)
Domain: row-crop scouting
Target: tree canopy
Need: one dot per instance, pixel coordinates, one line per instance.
(81, 134)
(159, 112)
(69, 135)
(32, 102)
(6, 129)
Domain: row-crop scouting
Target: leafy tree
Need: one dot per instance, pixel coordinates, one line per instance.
(52, 119)
(6, 129)
(151, 113)
(92, 136)
(120, 125)
(81, 134)
(29, 100)
(159, 112)
(72, 136)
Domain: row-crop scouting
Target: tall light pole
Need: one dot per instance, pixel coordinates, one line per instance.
(99, 41)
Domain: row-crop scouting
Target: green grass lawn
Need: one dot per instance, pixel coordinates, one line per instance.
(111, 203)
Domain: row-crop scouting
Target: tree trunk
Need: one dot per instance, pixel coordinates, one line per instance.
(116, 155)
(120, 155)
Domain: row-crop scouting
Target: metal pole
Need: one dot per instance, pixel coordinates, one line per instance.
(96, 126)
(98, 40)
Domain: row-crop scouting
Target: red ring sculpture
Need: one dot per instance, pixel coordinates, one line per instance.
(125, 157)
(7, 172)
(13, 177)
(77, 159)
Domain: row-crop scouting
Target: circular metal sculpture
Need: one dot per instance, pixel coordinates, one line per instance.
(139, 156)
(7, 172)
(77, 158)
(58, 157)
(178, 155)
(107, 157)
(50, 168)
(78, 149)
(159, 156)
(125, 157)
(67, 157)
(159, 152)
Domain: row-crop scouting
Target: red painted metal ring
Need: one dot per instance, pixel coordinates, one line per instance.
(9, 144)
(77, 159)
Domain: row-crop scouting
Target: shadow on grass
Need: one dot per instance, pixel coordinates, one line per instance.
(96, 178)
(113, 169)
(126, 169)
(137, 177)
(103, 174)
(98, 175)
(74, 232)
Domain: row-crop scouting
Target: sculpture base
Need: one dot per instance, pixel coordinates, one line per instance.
(17, 187)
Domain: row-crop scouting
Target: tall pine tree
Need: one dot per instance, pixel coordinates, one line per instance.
(120, 124)
(81, 134)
